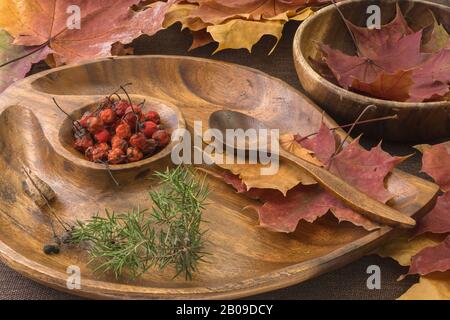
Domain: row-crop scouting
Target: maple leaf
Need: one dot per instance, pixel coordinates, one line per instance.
(347, 69)
(323, 144)
(438, 219)
(432, 259)
(387, 86)
(237, 24)
(402, 248)
(371, 42)
(435, 286)
(217, 11)
(239, 33)
(17, 70)
(102, 23)
(282, 214)
(436, 163)
(439, 38)
(365, 170)
(402, 54)
(432, 77)
(288, 176)
(390, 65)
(200, 38)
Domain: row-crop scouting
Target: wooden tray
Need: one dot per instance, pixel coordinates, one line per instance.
(245, 260)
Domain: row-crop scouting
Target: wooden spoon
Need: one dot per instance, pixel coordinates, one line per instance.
(352, 197)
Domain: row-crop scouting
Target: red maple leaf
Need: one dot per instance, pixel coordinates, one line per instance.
(432, 259)
(366, 170)
(389, 64)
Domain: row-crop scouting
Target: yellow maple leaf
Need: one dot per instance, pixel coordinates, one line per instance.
(181, 13)
(403, 248)
(239, 33)
(288, 176)
(435, 286)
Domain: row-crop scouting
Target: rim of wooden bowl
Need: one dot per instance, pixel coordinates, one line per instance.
(362, 99)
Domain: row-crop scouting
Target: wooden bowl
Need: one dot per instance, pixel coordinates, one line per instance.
(171, 119)
(417, 121)
(245, 259)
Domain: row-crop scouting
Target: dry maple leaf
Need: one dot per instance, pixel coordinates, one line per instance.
(394, 86)
(288, 176)
(366, 170)
(371, 41)
(438, 39)
(236, 24)
(282, 214)
(432, 259)
(323, 144)
(102, 23)
(347, 69)
(18, 69)
(438, 219)
(239, 33)
(432, 77)
(436, 163)
(390, 65)
(217, 11)
(402, 248)
(435, 286)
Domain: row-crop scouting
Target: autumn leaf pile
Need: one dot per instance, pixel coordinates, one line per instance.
(236, 24)
(427, 249)
(395, 62)
(40, 28)
(291, 195)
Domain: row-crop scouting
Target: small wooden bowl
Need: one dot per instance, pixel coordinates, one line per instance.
(416, 121)
(171, 118)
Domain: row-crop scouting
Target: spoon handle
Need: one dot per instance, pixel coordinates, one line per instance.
(351, 196)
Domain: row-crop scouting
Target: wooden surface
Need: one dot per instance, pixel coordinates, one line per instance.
(418, 122)
(246, 259)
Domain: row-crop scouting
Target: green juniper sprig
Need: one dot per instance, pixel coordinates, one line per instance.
(133, 242)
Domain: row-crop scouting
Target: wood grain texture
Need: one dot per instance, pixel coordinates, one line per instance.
(246, 259)
(417, 122)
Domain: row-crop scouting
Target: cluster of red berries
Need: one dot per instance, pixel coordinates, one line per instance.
(119, 132)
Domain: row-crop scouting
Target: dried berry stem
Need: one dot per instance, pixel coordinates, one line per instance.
(393, 117)
(338, 149)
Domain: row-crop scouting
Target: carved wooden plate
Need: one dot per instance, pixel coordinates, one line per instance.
(245, 259)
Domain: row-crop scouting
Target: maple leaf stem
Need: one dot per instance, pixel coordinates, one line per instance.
(347, 26)
(39, 48)
(338, 149)
(393, 117)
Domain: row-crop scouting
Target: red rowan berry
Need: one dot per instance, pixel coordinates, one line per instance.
(108, 116)
(116, 156)
(161, 137)
(123, 131)
(94, 124)
(102, 136)
(81, 144)
(118, 143)
(134, 154)
(153, 116)
(120, 107)
(149, 128)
